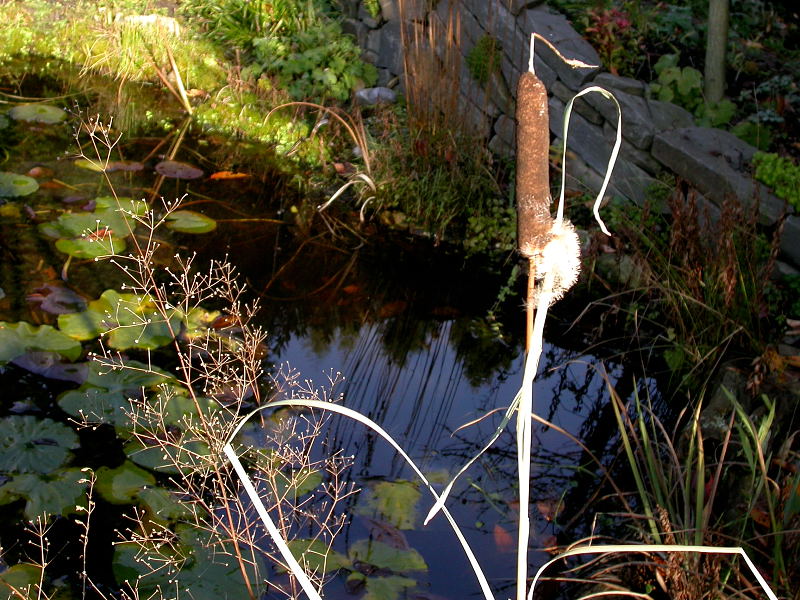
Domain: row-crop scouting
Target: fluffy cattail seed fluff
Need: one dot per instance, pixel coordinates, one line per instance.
(533, 181)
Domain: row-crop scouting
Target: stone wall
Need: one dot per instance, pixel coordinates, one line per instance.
(657, 136)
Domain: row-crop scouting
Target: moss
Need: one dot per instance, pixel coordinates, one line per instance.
(484, 58)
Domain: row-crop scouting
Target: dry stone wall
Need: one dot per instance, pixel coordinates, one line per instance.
(657, 136)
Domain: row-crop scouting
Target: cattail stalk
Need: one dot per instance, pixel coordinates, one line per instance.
(534, 230)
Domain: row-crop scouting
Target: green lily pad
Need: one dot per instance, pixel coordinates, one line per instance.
(387, 588)
(32, 445)
(133, 375)
(124, 483)
(170, 457)
(89, 165)
(189, 221)
(107, 219)
(164, 505)
(128, 320)
(95, 405)
(394, 502)
(21, 581)
(13, 185)
(91, 246)
(210, 573)
(37, 113)
(315, 556)
(18, 338)
(297, 483)
(384, 556)
(60, 493)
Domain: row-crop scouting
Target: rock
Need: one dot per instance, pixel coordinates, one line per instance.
(580, 106)
(615, 83)
(517, 6)
(715, 417)
(667, 116)
(790, 242)
(637, 122)
(386, 43)
(628, 151)
(556, 29)
(477, 94)
(715, 162)
(511, 71)
(357, 29)
(375, 95)
(367, 19)
(588, 142)
(506, 130)
(784, 269)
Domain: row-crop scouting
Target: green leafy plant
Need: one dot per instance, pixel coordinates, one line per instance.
(779, 173)
(684, 86)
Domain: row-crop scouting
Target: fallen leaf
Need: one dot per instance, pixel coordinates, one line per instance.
(222, 175)
(503, 541)
(40, 172)
(392, 309)
(351, 289)
(51, 185)
(344, 168)
(760, 517)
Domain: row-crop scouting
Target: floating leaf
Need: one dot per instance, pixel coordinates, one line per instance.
(211, 572)
(387, 588)
(394, 502)
(178, 170)
(57, 299)
(32, 445)
(12, 185)
(107, 217)
(164, 505)
(58, 493)
(37, 113)
(385, 556)
(133, 375)
(89, 165)
(130, 321)
(21, 581)
(124, 165)
(92, 246)
(50, 365)
(295, 484)
(184, 455)
(122, 484)
(315, 556)
(97, 405)
(188, 221)
(18, 338)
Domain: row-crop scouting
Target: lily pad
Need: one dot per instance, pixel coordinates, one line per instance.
(57, 299)
(164, 505)
(178, 170)
(385, 556)
(211, 572)
(387, 588)
(394, 502)
(18, 338)
(128, 320)
(13, 185)
(189, 221)
(60, 493)
(107, 217)
(37, 113)
(122, 484)
(316, 556)
(170, 457)
(50, 365)
(89, 165)
(124, 165)
(32, 445)
(21, 581)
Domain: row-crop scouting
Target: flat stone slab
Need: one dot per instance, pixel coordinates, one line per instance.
(717, 163)
(615, 83)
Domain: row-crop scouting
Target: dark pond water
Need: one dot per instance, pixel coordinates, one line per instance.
(401, 320)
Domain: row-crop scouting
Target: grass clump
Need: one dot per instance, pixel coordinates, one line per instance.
(484, 58)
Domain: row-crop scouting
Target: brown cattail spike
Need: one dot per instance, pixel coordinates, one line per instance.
(533, 181)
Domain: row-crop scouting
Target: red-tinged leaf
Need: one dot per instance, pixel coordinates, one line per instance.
(761, 517)
(503, 541)
(344, 168)
(351, 289)
(124, 165)
(178, 170)
(223, 175)
(549, 508)
(38, 172)
(51, 185)
(392, 309)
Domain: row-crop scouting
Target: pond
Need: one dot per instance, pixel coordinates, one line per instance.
(409, 328)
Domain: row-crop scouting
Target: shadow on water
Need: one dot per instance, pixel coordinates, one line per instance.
(402, 319)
